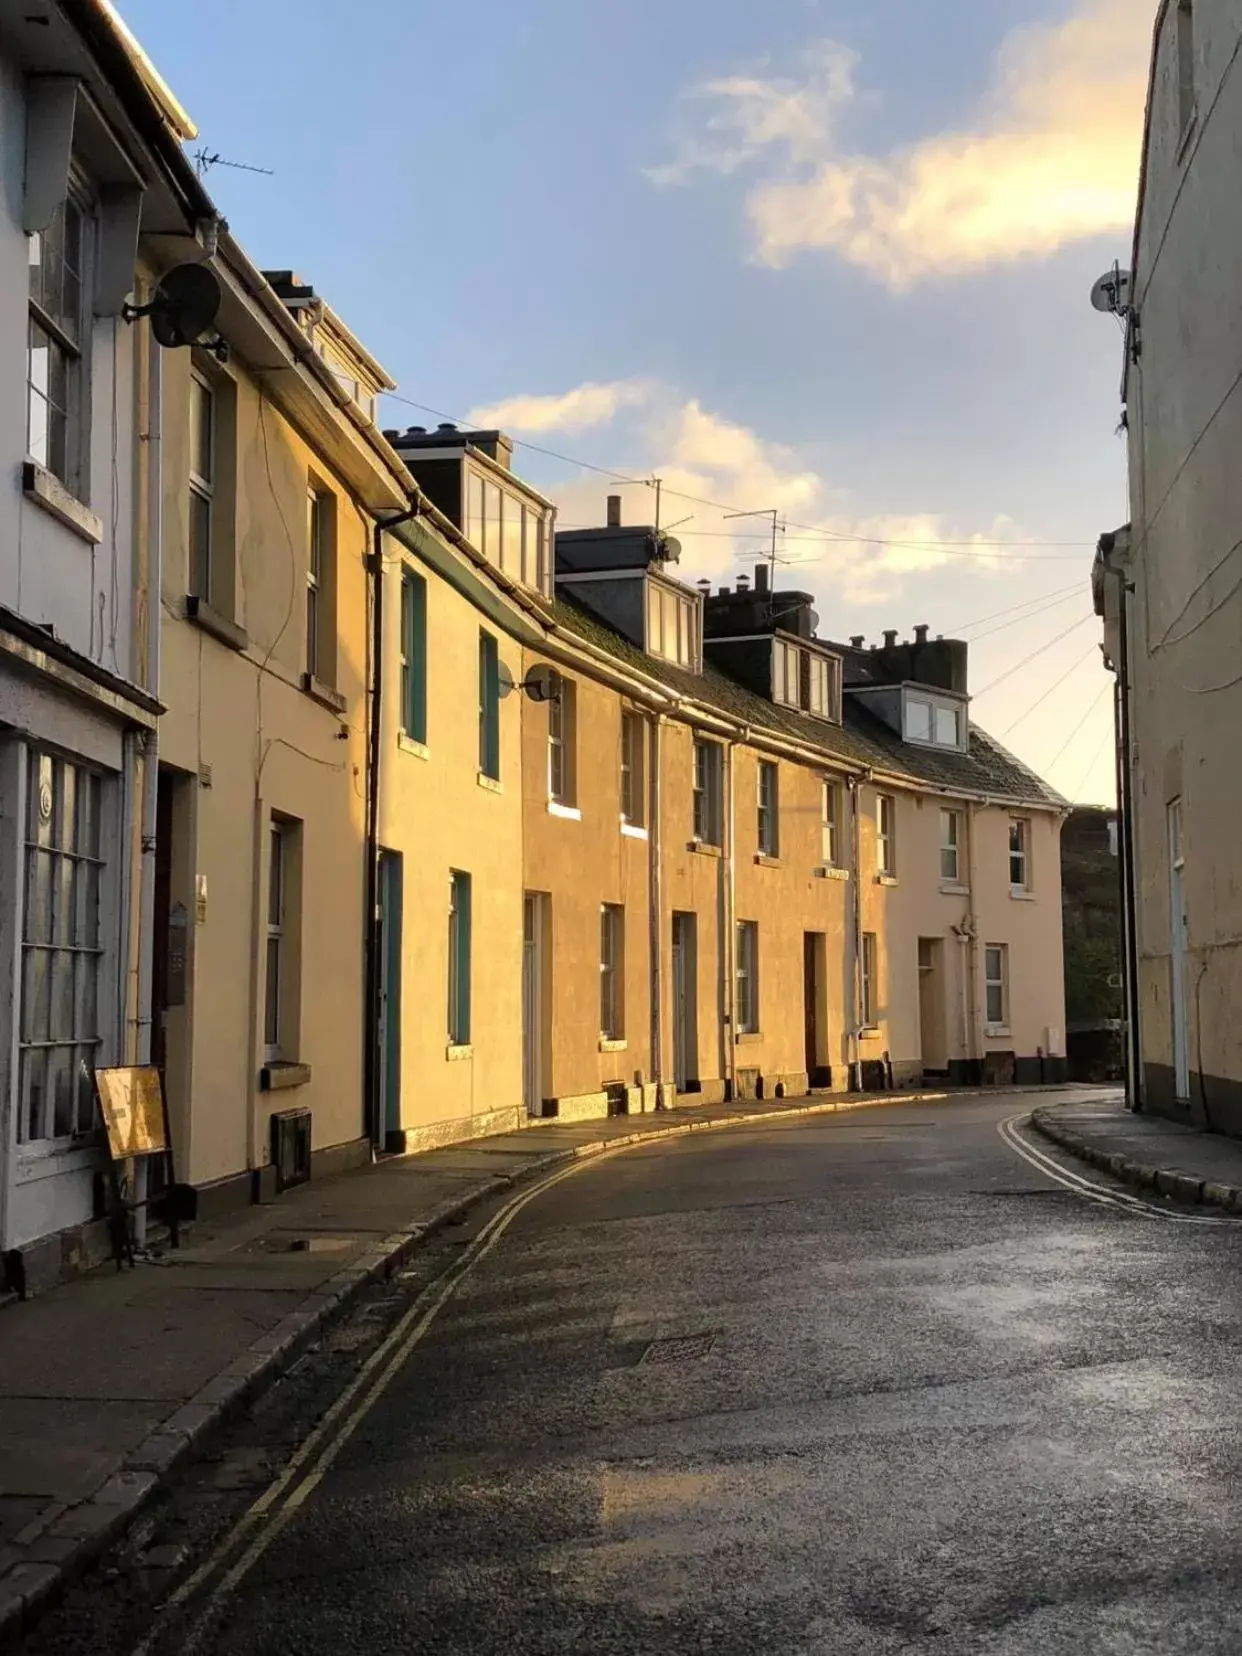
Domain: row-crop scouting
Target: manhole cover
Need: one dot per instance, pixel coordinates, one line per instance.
(681, 1349)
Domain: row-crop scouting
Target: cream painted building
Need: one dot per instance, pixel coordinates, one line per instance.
(1167, 585)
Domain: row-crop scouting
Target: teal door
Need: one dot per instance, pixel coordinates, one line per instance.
(390, 899)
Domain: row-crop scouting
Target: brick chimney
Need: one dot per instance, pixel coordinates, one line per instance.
(614, 511)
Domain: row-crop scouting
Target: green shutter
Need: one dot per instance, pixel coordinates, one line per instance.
(489, 706)
(414, 654)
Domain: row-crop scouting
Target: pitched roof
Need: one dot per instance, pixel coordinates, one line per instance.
(864, 741)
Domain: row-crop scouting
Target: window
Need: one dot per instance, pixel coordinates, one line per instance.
(819, 686)
(489, 706)
(831, 820)
(320, 585)
(672, 625)
(633, 769)
(996, 975)
(805, 679)
(277, 882)
(1185, 64)
(747, 1012)
(769, 828)
(61, 951)
(1019, 855)
(413, 656)
(868, 980)
(562, 721)
(474, 510)
(707, 781)
(950, 828)
(505, 530)
(459, 959)
(55, 359)
(938, 722)
(511, 536)
(202, 484)
(612, 972)
(885, 834)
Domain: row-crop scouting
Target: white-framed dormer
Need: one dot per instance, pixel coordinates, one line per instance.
(807, 677)
(934, 718)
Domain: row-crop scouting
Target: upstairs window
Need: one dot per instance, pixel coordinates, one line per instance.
(413, 656)
(633, 769)
(886, 835)
(769, 826)
(202, 484)
(707, 792)
(950, 858)
(673, 625)
(1019, 855)
(509, 533)
(562, 758)
(934, 721)
(489, 706)
(56, 365)
(831, 824)
(806, 679)
(321, 585)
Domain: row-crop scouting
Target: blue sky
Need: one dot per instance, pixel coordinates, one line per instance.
(828, 256)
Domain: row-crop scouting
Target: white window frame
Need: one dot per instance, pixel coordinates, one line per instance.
(936, 708)
(73, 348)
(868, 971)
(275, 962)
(460, 979)
(767, 792)
(886, 835)
(611, 972)
(707, 784)
(950, 846)
(633, 769)
(318, 523)
(996, 983)
(746, 1008)
(203, 487)
(1020, 854)
(830, 823)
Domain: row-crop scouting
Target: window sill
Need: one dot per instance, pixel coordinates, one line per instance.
(407, 744)
(606, 1044)
(219, 626)
(869, 1032)
(1020, 896)
(886, 879)
(47, 491)
(764, 860)
(703, 848)
(277, 1075)
(455, 1054)
(493, 784)
(747, 1037)
(950, 888)
(567, 813)
(829, 871)
(996, 1031)
(631, 830)
(323, 693)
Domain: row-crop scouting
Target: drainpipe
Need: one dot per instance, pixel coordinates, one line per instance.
(854, 784)
(728, 950)
(373, 1104)
(1125, 802)
(656, 912)
(975, 1047)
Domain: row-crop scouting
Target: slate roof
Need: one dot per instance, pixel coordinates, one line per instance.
(863, 740)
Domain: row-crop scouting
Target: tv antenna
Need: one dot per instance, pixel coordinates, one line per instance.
(205, 158)
(778, 528)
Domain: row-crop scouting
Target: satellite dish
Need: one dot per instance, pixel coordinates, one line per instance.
(543, 684)
(505, 685)
(669, 549)
(186, 300)
(1112, 292)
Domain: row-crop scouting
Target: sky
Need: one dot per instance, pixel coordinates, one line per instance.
(824, 258)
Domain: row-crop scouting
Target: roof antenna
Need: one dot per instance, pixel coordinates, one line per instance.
(204, 159)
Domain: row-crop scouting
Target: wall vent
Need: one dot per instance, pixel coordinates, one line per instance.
(291, 1147)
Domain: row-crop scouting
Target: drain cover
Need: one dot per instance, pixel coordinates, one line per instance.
(681, 1349)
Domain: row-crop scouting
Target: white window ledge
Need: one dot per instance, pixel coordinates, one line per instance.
(704, 848)
(870, 1032)
(407, 744)
(1020, 895)
(996, 1031)
(454, 1054)
(606, 1044)
(950, 888)
(829, 871)
(569, 813)
(47, 491)
(886, 879)
(746, 1037)
(764, 859)
(493, 784)
(631, 830)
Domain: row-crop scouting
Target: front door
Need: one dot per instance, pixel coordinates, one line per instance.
(810, 1003)
(390, 905)
(933, 1030)
(532, 1003)
(1177, 915)
(685, 1003)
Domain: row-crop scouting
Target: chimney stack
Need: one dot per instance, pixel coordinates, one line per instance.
(890, 639)
(858, 640)
(614, 511)
(761, 578)
(921, 632)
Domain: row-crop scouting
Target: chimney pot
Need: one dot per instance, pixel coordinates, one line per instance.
(890, 639)
(761, 577)
(724, 592)
(921, 632)
(391, 435)
(705, 587)
(446, 425)
(743, 585)
(858, 640)
(614, 511)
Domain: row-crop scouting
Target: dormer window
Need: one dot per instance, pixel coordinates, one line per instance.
(673, 625)
(510, 533)
(806, 679)
(934, 721)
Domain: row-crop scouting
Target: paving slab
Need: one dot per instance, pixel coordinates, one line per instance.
(1146, 1151)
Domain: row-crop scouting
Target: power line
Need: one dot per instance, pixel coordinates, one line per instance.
(1052, 688)
(1060, 753)
(1026, 603)
(1030, 615)
(1034, 655)
(1091, 763)
(816, 531)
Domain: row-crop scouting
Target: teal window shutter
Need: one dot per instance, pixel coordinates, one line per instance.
(489, 706)
(414, 656)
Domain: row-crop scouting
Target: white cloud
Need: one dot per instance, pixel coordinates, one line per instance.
(575, 410)
(710, 466)
(1050, 157)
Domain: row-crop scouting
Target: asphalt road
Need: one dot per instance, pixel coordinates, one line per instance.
(916, 1396)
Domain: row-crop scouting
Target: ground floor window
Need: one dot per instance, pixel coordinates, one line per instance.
(996, 972)
(61, 950)
(748, 977)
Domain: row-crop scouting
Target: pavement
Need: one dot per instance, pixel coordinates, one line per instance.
(1147, 1152)
(109, 1382)
(870, 1385)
